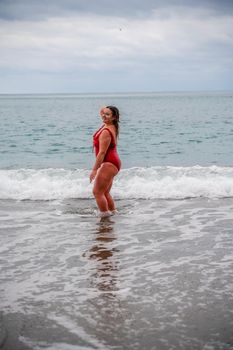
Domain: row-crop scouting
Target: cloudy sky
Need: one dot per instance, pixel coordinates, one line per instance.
(68, 46)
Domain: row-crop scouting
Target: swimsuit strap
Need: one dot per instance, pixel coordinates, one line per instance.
(112, 137)
(98, 131)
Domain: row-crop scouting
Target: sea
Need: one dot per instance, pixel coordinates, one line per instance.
(158, 275)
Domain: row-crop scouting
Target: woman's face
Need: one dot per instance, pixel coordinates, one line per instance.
(106, 115)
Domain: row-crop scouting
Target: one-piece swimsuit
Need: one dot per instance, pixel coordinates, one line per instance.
(111, 155)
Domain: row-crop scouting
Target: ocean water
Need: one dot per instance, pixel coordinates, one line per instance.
(55, 131)
(158, 275)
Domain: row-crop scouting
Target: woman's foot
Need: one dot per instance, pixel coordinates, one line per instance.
(105, 214)
(114, 211)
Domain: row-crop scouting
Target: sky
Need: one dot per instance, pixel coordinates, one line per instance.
(95, 46)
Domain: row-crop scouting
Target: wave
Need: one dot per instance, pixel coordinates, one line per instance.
(134, 183)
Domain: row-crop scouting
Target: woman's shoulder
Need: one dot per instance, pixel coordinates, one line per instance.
(111, 131)
(106, 131)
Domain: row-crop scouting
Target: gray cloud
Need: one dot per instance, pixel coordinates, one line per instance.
(38, 10)
(107, 45)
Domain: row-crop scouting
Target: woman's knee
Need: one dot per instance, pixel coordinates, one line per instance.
(102, 186)
(97, 191)
(108, 195)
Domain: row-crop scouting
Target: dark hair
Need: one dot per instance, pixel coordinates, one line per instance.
(116, 114)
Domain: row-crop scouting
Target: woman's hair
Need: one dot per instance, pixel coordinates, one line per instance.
(116, 114)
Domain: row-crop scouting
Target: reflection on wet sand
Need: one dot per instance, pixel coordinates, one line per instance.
(104, 274)
(110, 313)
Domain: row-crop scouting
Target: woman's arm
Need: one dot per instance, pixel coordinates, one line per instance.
(104, 142)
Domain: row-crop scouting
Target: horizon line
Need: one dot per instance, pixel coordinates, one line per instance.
(117, 92)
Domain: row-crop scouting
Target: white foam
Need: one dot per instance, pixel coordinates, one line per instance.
(42, 345)
(133, 183)
(44, 184)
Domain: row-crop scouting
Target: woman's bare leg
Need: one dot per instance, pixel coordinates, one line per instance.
(103, 182)
(111, 204)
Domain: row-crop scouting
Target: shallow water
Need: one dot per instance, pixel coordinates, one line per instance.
(156, 276)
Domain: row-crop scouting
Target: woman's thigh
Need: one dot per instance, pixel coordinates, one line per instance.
(104, 177)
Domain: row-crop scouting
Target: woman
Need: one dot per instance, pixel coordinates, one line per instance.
(107, 163)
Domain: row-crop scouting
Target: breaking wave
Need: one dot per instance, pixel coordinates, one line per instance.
(134, 183)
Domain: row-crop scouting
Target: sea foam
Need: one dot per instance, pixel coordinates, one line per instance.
(133, 183)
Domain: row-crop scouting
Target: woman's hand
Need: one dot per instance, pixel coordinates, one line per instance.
(102, 111)
(93, 175)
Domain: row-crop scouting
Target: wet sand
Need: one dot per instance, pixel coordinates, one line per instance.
(156, 276)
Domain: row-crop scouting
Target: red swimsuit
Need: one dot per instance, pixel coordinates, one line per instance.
(111, 154)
